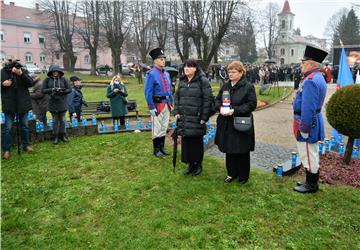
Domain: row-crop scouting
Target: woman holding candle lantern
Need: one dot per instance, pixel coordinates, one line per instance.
(236, 100)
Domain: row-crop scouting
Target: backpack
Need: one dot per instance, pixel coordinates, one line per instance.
(212, 110)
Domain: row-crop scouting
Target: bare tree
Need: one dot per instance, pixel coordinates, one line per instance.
(209, 24)
(117, 24)
(142, 27)
(179, 28)
(63, 15)
(90, 28)
(269, 24)
(160, 17)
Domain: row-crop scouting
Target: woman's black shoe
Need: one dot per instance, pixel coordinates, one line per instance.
(189, 170)
(197, 170)
(228, 179)
(243, 181)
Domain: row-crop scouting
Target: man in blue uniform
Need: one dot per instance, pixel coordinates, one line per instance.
(308, 122)
(159, 98)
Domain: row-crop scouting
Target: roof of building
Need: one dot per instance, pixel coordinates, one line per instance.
(20, 14)
(286, 8)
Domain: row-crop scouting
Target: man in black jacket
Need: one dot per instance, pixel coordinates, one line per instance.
(15, 100)
(75, 99)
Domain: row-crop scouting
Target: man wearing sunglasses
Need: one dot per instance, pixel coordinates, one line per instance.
(15, 100)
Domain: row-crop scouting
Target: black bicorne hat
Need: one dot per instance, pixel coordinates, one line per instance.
(157, 53)
(315, 54)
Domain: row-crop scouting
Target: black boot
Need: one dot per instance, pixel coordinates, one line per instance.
(157, 151)
(190, 169)
(63, 137)
(162, 145)
(56, 139)
(198, 169)
(310, 185)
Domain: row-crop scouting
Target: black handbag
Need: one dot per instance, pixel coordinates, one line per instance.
(242, 124)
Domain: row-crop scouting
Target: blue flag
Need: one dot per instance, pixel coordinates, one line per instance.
(344, 76)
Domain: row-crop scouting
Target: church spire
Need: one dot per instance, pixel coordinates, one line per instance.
(286, 8)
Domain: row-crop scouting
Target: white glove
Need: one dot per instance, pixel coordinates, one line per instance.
(153, 112)
(304, 135)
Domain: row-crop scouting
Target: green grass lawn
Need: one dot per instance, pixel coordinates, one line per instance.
(109, 192)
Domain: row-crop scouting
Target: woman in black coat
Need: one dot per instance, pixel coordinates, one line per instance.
(57, 86)
(192, 109)
(236, 145)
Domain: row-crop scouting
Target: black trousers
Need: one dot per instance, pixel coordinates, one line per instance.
(192, 149)
(238, 166)
(119, 118)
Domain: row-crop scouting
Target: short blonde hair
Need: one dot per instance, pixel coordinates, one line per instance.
(237, 65)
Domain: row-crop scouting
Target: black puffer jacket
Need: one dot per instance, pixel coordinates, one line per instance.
(57, 102)
(192, 103)
(16, 97)
(243, 101)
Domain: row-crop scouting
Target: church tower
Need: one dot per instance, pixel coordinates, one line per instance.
(286, 23)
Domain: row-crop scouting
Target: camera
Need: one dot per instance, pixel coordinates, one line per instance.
(13, 63)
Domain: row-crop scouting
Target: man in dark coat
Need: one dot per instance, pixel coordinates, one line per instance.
(57, 86)
(15, 99)
(39, 100)
(75, 99)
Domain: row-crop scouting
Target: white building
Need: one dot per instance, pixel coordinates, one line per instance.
(290, 47)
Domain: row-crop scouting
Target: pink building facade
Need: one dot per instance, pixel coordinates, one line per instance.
(24, 35)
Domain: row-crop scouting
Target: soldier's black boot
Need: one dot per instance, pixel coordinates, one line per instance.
(190, 169)
(162, 145)
(157, 151)
(63, 137)
(56, 139)
(198, 169)
(310, 185)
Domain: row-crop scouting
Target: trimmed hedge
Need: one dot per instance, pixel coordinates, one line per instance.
(343, 110)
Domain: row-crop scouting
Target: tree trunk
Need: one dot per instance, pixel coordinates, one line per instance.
(348, 151)
(115, 54)
(93, 58)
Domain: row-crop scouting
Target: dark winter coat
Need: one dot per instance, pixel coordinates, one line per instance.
(16, 97)
(57, 102)
(243, 101)
(75, 100)
(118, 100)
(39, 100)
(192, 103)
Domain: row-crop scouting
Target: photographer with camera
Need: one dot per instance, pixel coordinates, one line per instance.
(57, 86)
(15, 100)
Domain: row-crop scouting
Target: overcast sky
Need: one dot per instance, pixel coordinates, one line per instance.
(310, 15)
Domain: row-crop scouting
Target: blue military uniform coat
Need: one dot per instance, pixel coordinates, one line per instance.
(307, 108)
(158, 83)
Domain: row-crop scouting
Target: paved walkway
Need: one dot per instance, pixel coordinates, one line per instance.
(273, 133)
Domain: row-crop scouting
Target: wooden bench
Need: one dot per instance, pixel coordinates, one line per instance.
(100, 107)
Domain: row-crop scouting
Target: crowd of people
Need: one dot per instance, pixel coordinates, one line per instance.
(192, 105)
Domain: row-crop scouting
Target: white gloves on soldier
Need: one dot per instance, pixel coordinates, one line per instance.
(304, 135)
(153, 112)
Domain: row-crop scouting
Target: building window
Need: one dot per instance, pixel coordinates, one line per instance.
(2, 35)
(27, 37)
(28, 57)
(2, 56)
(292, 52)
(87, 59)
(283, 24)
(283, 37)
(282, 52)
(42, 58)
(41, 39)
